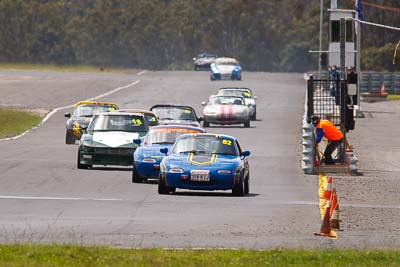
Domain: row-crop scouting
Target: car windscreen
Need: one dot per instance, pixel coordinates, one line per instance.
(237, 92)
(90, 110)
(151, 119)
(125, 123)
(166, 135)
(226, 100)
(205, 145)
(174, 113)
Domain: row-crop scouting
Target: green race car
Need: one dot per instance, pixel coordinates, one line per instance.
(108, 140)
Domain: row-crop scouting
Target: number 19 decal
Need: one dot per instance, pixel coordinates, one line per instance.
(137, 121)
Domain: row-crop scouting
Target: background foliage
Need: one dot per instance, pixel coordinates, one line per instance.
(267, 35)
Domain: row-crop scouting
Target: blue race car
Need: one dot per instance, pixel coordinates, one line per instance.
(205, 162)
(225, 68)
(147, 156)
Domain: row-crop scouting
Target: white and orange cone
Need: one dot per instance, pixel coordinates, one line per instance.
(328, 190)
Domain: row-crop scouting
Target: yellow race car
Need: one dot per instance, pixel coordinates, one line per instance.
(80, 118)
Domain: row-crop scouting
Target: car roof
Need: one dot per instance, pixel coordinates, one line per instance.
(140, 111)
(209, 134)
(117, 113)
(230, 96)
(235, 88)
(178, 126)
(95, 103)
(226, 59)
(172, 106)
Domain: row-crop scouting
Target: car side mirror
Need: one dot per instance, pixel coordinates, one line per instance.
(203, 103)
(164, 150)
(137, 141)
(83, 128)
(67, 115)
(245, 153)
(200, 119)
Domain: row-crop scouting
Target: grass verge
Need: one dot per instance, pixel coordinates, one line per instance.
(41, 255)
(65, 68)
(393, 97)
(14, 122)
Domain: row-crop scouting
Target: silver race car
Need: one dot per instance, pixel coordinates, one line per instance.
(226, 110)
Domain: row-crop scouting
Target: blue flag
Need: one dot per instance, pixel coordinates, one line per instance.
(358, 6)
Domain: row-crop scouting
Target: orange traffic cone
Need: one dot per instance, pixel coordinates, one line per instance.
(383, 89)
(334, 212)
(326, 225)
(328, 190)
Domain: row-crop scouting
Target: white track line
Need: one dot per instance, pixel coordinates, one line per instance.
(70, 106)
(309, 203)
(60, 198)
(142, 72)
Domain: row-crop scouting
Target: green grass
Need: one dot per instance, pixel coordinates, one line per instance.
(40, 255)
(393, 97)
(65, 68)
(14, 122)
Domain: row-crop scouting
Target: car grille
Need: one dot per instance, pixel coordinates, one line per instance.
(113, 151)
(211, 182)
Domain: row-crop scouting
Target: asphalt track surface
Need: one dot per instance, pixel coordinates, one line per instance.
(44, 198)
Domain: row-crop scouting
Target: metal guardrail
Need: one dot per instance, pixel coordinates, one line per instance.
(372, 81)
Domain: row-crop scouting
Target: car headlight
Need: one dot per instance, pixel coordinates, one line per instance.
(176, 170)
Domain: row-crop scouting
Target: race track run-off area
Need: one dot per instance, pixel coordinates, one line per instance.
(44, 198)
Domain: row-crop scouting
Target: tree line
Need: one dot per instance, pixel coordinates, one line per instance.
(265, 35)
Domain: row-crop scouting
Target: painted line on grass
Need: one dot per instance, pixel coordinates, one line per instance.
(60, 198)
(70, 106)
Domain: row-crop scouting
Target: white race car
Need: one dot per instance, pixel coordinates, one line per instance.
(226, 110)
(225, 68)
(246, 93)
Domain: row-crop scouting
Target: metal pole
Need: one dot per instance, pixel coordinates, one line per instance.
(320, 37)
(358, 66)
(343, 48)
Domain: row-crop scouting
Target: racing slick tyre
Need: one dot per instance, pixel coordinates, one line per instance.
(135, 177)
(254, 116)
(69, 140)
(163, 189)
(247, 184)
(206, 123)
(247, 124)
(79, 165)
(238, 189)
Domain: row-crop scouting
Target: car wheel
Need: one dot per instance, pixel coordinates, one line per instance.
(212, 78)
(172, 189)
(196, 67)
(69, 140)
(238, 189)
(254, 117)
(163, 189)
(247, 184)
(79, 164)
(135, 177)
(247, 124)
(206, 123)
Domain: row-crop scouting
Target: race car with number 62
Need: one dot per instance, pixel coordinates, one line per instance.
(205, 162)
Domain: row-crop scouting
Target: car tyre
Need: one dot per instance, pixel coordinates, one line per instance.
(247, 124)
(79, 164)
(163, 189)
(238, 189)
(206, 123)
(254, 116)
(135, 177)
(247, 184)
(69, 140)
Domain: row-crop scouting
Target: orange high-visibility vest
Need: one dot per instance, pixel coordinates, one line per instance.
(330, 131)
